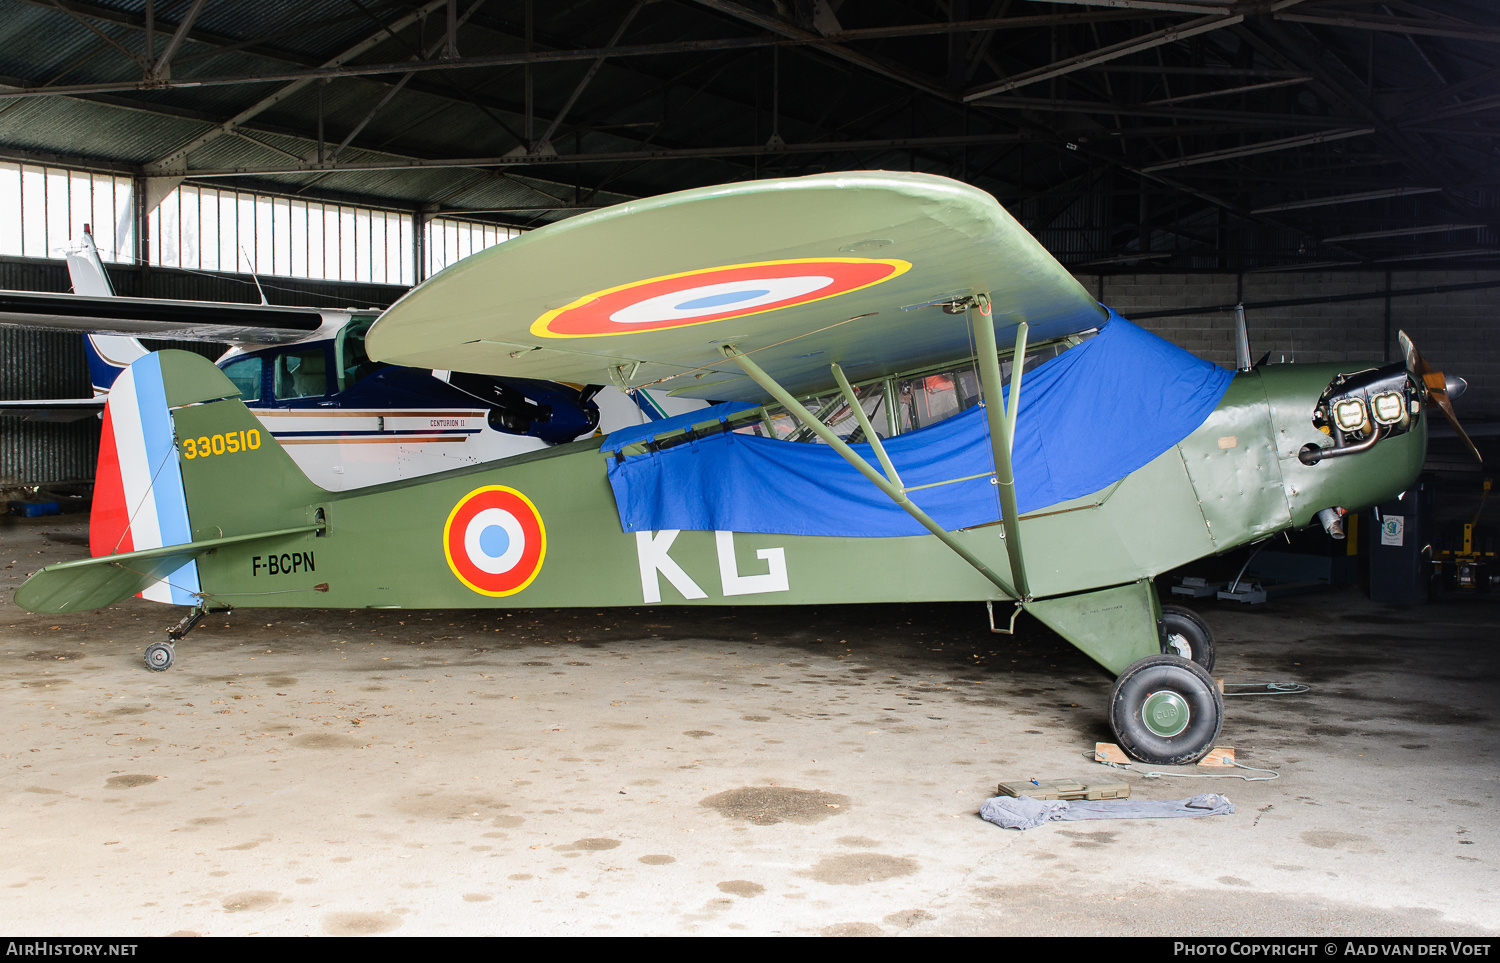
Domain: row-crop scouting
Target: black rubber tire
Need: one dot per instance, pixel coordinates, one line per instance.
(1192, 686)
(1192, 630)
(158, 656)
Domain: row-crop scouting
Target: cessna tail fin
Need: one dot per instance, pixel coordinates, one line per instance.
(108, 354)
(183, 468)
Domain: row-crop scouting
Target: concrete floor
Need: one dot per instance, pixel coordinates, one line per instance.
(713, 771)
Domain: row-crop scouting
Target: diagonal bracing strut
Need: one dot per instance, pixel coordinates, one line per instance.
(890, 482)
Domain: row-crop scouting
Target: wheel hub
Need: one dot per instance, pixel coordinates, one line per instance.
(1178, 644)
(1165, 713)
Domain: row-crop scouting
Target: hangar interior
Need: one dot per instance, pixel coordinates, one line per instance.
(1329, 165)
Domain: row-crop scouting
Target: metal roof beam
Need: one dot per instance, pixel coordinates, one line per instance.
(1405, 232)
(78, 8)
(1112, 52)
(82, 21)
(791, 31)
(545, 141)
(1265, 147)
(1146, 110)
(1403, 25)
(178, 157)
(162, 68)
(1163, 6)
(598, 157)
(1243, 89)
(1345, 199)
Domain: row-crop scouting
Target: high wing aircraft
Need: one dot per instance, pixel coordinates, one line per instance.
(865, 309)
(347, 421)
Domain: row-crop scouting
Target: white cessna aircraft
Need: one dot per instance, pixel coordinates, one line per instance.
(348, 422)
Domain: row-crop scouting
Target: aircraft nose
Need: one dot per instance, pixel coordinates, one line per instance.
(1455, 386)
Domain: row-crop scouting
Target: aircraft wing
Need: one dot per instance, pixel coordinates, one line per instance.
(229, 322)
(798, 273)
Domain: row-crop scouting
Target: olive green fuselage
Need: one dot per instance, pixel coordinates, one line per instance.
(1089, 561)
(1234, 480)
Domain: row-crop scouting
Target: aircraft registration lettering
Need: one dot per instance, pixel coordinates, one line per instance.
(287, 563)
(494, 541)
(652, 552)
(229, 443)
(713, 294)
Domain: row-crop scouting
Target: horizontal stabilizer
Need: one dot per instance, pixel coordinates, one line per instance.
(52, 409)
(93, 583)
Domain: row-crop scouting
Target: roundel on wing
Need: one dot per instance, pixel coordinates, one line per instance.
(494, 540)
(713, 294)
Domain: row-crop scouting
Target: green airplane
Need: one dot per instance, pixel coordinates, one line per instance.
(866, 311)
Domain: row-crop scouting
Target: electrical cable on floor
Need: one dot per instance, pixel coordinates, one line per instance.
(1266, 688)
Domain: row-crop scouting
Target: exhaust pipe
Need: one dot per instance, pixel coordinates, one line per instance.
(1332, 520)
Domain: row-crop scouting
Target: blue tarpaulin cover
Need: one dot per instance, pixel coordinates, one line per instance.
(1088, 417)
(629, 436)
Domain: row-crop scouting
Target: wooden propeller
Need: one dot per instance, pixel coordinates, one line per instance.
(1436, 387)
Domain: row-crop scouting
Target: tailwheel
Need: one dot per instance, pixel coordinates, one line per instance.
(1166, 710)
(1185, 634)
(159, 656)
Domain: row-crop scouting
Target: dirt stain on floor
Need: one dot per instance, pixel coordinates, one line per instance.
(588, 845)
(741, 887)
(326, 740)
(359, 924)
(254, 900)
(857, 868)
(129, 781)
(768, 805)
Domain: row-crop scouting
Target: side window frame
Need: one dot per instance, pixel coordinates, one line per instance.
(260, 394)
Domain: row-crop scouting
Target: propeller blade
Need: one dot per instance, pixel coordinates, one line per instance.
(1436, 386)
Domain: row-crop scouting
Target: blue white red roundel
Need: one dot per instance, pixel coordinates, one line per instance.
(495, 541)
(713, 294)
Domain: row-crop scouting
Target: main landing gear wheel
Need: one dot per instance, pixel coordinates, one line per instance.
(1184, 634)
(158, 656)
(1166, 710)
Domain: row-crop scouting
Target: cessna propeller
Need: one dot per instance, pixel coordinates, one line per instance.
(1440, 389)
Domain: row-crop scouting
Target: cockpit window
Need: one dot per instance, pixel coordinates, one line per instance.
(354, 362)
(896, 405)
(245, 373)
(301, 374)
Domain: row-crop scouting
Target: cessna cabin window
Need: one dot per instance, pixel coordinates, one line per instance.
(301, 374)
(354, 362)
(897, 405)
(245, 373)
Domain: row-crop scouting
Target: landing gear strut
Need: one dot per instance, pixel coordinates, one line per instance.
(159, 654)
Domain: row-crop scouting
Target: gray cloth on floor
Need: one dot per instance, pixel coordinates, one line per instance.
(1023, 812)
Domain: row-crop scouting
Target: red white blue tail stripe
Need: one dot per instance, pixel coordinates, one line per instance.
(138, 495)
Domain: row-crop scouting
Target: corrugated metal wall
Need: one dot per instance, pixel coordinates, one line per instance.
(44, 365)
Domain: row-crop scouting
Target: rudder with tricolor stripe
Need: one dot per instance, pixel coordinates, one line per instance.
(182, 459)
(139, 502)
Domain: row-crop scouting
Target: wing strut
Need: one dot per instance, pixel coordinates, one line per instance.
(1003, 428)
(892, 486)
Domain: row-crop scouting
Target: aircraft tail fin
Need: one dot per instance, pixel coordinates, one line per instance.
(182, 462)
(108, 354)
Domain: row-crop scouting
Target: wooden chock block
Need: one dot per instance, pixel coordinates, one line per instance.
(1220, 756)
(1109, 752)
